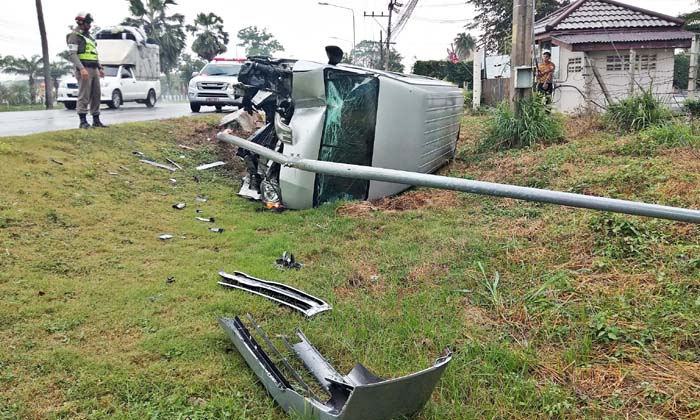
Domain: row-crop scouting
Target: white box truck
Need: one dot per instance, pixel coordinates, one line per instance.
(131, 65)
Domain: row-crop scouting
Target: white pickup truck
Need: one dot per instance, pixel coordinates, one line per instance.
(132, 69)
(118, 86)
(216, 84)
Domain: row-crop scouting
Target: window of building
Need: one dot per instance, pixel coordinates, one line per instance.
(646, 62)
(575, 65)
(618, 63)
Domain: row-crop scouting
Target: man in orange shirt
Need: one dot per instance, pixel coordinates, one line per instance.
(545, 75)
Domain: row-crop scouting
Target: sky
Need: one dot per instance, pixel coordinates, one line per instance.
(302, 26)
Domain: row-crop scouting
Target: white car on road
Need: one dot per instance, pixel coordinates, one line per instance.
(216, 85)
(118, 86)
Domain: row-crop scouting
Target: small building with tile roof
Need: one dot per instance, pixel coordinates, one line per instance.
(594, 43)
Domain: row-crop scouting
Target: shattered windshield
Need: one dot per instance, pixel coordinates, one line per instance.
(348, 133)
(221, 69)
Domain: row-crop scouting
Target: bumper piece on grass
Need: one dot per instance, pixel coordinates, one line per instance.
(280, 293)
(359, 395)
(158, 165)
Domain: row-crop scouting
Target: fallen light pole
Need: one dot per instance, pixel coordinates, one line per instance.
(470, 186)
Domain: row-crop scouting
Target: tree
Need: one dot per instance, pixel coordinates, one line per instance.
(369, 54)
(188, 65)
(464, 45)
(457, 73)
(29, 67)
(56, 70)
(210, 37)
(258, 42)
(495, 19)
(45, 53)
(166, 30)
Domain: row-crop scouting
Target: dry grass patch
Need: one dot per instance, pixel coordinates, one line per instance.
(411, 200)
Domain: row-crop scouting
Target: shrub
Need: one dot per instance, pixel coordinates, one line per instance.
(536, 124)
(636, 113)
(692, 107)
(666, 135)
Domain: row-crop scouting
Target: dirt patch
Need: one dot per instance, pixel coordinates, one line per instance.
(363, 278)
(412, 200)
(583, 125)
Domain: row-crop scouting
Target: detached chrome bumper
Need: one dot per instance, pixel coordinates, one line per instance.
(359, 395)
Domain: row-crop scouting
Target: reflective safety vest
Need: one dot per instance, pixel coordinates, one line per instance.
(90, 53)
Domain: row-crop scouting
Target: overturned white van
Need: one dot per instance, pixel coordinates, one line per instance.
(346, 114)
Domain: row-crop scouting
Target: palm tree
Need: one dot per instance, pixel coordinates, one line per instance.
(166, 30)
(45, 53)
(464, 45)
(56, 70)
(210, 37)
(29, 67)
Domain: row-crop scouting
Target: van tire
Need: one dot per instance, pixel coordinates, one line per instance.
(70, 105)
(116, 101)
(218, 108)
(195, 107)
(151, 99)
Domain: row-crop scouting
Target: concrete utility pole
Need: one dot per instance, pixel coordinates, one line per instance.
(476, 72)
(633, 68)
(521, 47)
(693, 70)
(392, 5)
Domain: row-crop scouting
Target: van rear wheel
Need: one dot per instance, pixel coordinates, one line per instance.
(151, 99)
(69, 105)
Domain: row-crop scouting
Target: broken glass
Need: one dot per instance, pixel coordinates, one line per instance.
(348, 132)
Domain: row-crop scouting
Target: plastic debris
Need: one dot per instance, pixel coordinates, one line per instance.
(173, 180)
(199, 211)
(179, 206)
(158, 165)
(137, 153)
(165, 237)
(172, 162)
(287, 262)
(170, 280)
(201, 199)
(56, 162)
(210, 165)
(216, 230)
(205, 219)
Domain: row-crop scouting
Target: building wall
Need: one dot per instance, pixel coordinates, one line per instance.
(654, 71)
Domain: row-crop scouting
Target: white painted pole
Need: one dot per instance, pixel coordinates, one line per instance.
(693, 70)
(476, 71)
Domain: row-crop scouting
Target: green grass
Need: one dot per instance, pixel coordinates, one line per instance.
(36, 107)
(551, 312)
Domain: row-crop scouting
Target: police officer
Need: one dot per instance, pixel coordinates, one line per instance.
(82, 49)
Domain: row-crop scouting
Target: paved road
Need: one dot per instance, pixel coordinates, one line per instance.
(30, 122)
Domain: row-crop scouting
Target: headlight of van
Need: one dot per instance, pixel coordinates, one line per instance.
(284, 132)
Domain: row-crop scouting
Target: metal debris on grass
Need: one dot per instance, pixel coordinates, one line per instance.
(173, 180)
(57, 162)
(137, 153)
(201, 199)
(172, 162)
(216, 230)
(158, 165)
(359, 395)
(198, 211)
(287, 261)
(112, 173)
(281, 293)
(165, 237)
(205, 219)
(170, 280)
(210, 165)
(179, 206)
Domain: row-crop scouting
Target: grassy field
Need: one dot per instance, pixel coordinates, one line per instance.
(37, 107)
(551, 312)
